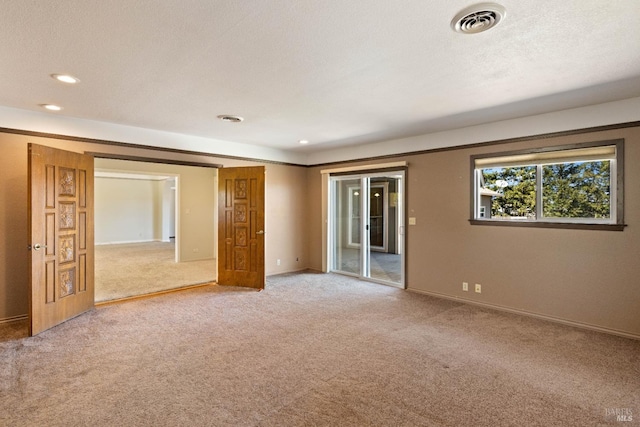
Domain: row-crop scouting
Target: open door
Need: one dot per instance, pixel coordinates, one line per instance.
(241, 227)
(60, 236)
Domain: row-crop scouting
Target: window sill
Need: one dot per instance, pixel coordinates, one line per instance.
(541, 224)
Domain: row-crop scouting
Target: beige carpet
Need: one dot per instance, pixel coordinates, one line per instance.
(313, 350)
(140, 268)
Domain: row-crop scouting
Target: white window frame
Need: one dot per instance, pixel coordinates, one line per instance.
(613, 151)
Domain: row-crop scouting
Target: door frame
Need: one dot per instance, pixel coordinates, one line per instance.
(215, 166)
(328, 220)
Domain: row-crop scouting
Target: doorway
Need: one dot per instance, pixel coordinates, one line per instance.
(61, 232)
(367, 226)
(155, 227)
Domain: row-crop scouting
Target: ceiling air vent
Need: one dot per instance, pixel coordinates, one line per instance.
(230, 118)
(478, 18)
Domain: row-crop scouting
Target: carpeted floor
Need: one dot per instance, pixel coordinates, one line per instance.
(141, 268)
(313, 350)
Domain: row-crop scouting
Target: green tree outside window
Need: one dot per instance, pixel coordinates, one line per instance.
(569, 190)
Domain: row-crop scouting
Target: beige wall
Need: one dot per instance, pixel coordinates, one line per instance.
(125, 210)
(286, 212)
(13, 229)
(583, 276)
(197, 201)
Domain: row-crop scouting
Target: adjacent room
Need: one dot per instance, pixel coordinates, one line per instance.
(138, 247)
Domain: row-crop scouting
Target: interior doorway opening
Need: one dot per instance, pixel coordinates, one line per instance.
(366, 226)
(152, 233)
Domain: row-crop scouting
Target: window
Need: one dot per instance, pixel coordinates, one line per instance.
(578, 186)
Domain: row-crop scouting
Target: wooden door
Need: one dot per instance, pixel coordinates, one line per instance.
(241, 227)
(60, 236)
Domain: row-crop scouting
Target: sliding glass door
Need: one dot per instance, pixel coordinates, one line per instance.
(347, 226)
(367, 226)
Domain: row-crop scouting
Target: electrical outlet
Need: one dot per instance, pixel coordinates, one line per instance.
(478, 288)
(465, 286)
(278, 261)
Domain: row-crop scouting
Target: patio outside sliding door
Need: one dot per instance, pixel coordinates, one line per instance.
(368, 226)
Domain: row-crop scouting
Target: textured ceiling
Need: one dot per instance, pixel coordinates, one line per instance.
(332, 72)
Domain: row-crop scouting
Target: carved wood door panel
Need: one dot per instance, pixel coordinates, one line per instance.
(241, 227)
(60, 236)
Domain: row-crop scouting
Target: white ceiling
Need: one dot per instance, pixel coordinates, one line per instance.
(334, 72)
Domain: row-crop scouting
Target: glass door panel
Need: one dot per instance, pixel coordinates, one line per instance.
(347, 225)
(386, 221)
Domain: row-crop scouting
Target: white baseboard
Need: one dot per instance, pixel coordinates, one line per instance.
(124, 242)
(531, 314)
(287, 272)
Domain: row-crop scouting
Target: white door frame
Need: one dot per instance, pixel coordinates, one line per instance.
(328, 222)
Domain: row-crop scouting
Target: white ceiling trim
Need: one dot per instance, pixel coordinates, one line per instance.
(70, 126)
(610, 113)
(624, 111)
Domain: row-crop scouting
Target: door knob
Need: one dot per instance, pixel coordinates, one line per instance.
(38, 246)
(260, 232)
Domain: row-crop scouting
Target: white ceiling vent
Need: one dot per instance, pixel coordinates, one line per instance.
(478, 18)
(230, 118)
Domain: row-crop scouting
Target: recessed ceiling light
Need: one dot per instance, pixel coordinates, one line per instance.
(478, 18)
(303, 141)
(65, 78)
(51, 107)
(229, 118)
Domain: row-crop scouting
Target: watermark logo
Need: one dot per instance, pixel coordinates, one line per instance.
(619, 414)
